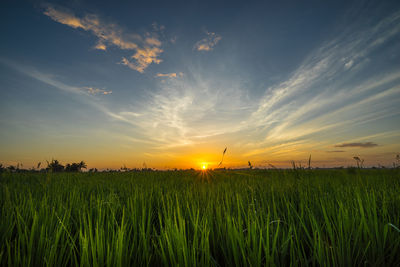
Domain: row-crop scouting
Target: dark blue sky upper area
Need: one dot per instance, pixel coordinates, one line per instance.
(291, 27)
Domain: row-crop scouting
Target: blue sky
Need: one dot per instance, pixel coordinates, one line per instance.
(173, 84)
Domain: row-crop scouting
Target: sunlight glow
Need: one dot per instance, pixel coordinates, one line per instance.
(204, 166)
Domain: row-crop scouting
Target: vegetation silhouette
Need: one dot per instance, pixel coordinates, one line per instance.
(360, 162)
(223, 154)
(56, 166)
(75, 167)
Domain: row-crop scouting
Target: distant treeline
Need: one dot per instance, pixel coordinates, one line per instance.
(55, 166)
(52, 166)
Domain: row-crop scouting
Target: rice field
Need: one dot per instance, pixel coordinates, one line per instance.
(191, 218)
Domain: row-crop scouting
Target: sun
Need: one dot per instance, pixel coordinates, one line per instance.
(204, 166)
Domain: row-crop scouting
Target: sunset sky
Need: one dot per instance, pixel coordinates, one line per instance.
(172, 84)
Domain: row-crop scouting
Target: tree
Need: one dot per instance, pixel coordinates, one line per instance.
(75, 167)
(11, 168)
(82, 165)
(55, 166)
(72, 167)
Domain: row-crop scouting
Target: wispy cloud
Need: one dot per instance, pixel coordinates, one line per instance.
(169, 75)
(147, 48)
(53, 81)
(97, 91)
(186, 111)
(85, 94)
(208, 43)
(321, 101)
(362, 145)
(322, 98)
(327, 90)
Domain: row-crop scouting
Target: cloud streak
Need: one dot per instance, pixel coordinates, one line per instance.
(327, 84)
(323, 98)
(147, 48)
(97, 91)
(208, 43)
(188, 110)
(362, 145)
(169, 75)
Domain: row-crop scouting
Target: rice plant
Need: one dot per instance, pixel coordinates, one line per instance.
(305, 217)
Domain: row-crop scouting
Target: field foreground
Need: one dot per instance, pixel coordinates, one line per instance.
(190, 218)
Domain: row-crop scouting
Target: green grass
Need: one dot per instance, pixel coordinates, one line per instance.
(223, 218)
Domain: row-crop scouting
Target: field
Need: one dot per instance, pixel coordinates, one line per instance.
(347, 217)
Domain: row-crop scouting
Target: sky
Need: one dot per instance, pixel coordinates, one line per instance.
(172, 84)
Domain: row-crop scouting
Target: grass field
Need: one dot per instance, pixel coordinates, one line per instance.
(189, 218)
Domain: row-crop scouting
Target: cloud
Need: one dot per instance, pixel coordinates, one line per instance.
(153, 41)
(169, 75)
(363, 145)
(208, 43)
(349, 64)
(147, 48)
(143, 58)
(334, 87)
(97, 91)
(128, 113)
(188, 110)
(101, 46)
(338, 86)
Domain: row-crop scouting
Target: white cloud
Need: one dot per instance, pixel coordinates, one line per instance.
(320, 99)
(185, 111)
(147, 48)
(208, 43)
(323, 97)
(349, 64)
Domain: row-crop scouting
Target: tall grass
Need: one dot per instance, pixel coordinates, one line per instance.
(223, 218)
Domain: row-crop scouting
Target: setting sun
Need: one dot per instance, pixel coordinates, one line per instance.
(204, 166)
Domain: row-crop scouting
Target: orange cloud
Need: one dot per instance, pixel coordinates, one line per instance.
(153, 41)
(208, 43)
(147, 49)
(169, 75)
(64, 18)
(143, 58)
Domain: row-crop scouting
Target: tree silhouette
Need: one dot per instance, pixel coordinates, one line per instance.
(11, 168)
(82, 165)
(55, 166)
(75, 167)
